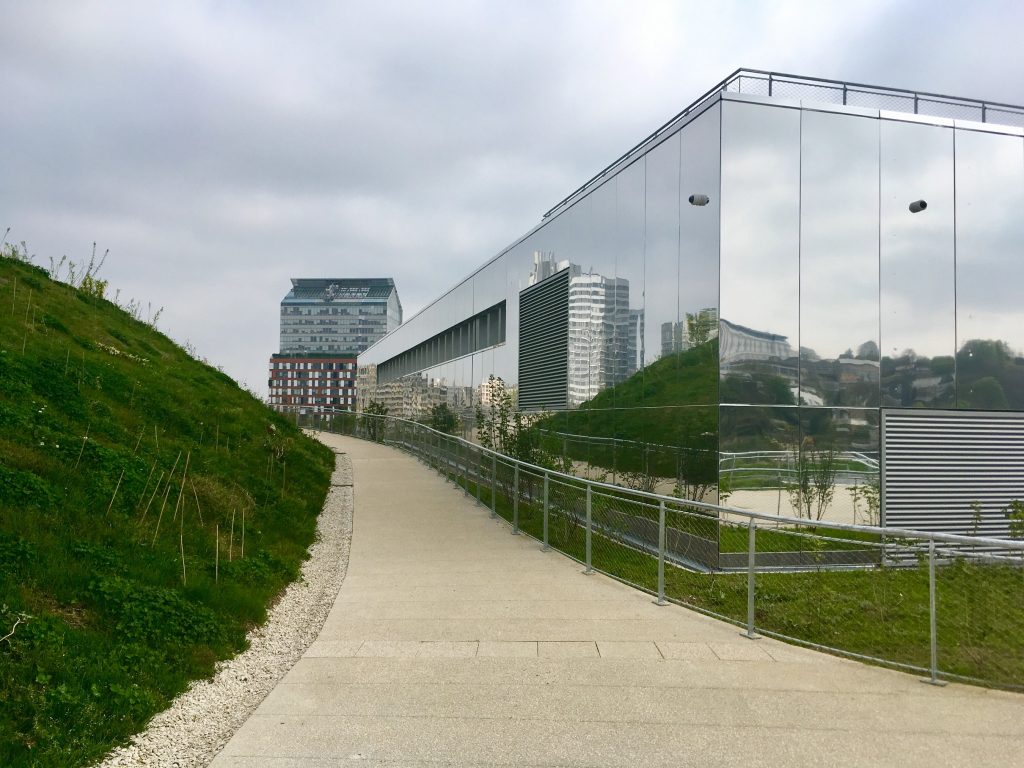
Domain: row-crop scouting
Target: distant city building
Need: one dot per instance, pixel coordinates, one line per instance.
(325, 324)
(338, 315)
(312, 382)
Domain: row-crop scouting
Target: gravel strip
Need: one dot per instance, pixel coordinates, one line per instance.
(202, 720)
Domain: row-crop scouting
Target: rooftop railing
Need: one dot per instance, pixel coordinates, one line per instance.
(780, 85)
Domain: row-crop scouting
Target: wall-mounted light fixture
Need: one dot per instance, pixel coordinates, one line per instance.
(917, 206)
(699, 199)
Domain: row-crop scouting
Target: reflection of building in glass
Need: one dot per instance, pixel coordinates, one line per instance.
(824, 315)
(738, 345)
(325, 323)
(603, 333)
(698, 328)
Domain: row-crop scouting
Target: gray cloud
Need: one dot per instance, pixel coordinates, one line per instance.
(219, 148)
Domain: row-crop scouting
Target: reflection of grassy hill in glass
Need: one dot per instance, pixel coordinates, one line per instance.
(97, 412)
(664, 419)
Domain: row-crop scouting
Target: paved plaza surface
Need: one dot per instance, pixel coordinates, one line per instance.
(453, 642)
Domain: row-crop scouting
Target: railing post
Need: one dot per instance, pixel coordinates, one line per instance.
(751, 540)
(460, 453)
(478, 473)
(545, 547)
(661, 554)
(515, 500)
(933, 635)
(494, 485)
(590, 528)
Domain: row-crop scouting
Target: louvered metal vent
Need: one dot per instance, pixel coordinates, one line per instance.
(544, 344)
(935, 465)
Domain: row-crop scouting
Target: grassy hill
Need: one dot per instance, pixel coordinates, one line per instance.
(150, 510)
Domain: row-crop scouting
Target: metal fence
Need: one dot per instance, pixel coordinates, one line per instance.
(946, 606)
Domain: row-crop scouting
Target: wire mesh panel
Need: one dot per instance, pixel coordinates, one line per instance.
(809, 91)
(625, 538)
(567, 513)
(880, 611)
(949, 109)
(1004, 117)
(875, 100)
(979, 622)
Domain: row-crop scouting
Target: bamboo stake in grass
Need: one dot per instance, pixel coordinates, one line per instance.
(167, 491)
(231, 539)
(156, 438)
(198, 509)
(155, 489)
(242, 556)
(139, 441)
(216, 556)
(67, 361)
(181, 490)
(86, 437)
(146, 488)
(116, 488)
(181, 543)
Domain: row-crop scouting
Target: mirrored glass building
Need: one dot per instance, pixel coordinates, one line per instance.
(798, 296)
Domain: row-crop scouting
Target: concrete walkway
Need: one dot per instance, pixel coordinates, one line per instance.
(453, 642)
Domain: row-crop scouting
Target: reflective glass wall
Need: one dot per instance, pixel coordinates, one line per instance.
(746, 295)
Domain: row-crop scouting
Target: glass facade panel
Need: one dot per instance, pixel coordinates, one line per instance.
(661, 258)
(989, 271)
(837, 475)
(695, 339)
(760, 248)
(759, 446)
(918, 334)
(839, 260)
(623, 297)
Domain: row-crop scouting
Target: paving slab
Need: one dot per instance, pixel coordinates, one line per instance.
(454, 643)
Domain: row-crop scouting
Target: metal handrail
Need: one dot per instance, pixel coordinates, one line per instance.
(658, 498)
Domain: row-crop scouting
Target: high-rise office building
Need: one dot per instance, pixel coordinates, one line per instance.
(325, 323)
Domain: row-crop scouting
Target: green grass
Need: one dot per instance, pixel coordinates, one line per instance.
(95, 407)
(881, 612)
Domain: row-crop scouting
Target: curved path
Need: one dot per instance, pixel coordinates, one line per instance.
(453, 642)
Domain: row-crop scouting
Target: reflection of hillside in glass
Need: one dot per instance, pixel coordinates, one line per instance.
(986, 375)
(661, 421)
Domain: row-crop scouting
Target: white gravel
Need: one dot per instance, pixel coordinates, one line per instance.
(202, 720)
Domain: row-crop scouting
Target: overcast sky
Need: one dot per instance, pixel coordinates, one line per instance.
(219, 148)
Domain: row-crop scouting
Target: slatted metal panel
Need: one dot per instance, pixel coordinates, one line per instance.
(544, 344)
(935, 464)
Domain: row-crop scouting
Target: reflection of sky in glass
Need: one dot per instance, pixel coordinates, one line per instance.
(838, 258)
(990, 238)
(838, 233)
(760, 217)
(916, 249)
(700, 164)
(661, 268)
